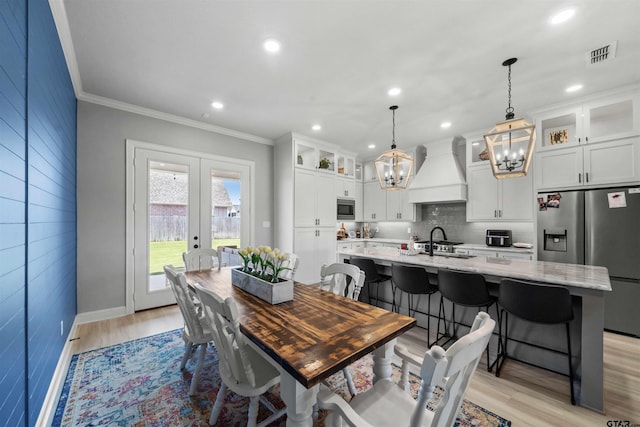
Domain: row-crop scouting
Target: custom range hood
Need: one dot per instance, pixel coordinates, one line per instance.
(440, 179)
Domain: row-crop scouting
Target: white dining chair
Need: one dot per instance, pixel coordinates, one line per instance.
(390, 404)
(197, 333)
(346, 280)
(201, 259)
(292, 264)
(242, 369)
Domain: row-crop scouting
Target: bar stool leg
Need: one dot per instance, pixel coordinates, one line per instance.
(573, 399)
(502, 345)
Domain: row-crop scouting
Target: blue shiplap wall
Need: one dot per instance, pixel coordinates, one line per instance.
(13, 95)
(37, 206)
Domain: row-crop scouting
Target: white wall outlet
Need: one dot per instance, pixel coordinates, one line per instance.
(61, 327)
(409, 230)
(266, 224)
(377, 229)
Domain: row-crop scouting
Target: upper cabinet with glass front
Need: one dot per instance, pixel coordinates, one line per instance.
(346, 165)
(311, 156)
(596, 121)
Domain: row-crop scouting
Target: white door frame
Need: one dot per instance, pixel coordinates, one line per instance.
(248, 227)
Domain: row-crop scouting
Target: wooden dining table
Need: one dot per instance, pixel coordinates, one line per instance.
(311, 337)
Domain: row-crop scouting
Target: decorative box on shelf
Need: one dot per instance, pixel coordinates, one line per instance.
(273, 293)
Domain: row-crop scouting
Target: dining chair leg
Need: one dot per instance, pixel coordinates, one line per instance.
(193, 389)
(254, 405)
(350, 386)
(187, 354)
(217, 406)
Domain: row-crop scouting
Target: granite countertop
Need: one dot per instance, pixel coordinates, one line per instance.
(495, 248)
(580, 276)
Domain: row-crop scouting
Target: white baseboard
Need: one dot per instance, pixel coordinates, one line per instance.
(48, 410)
(94, 316)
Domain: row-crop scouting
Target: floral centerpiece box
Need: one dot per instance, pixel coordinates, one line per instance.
(260, 274)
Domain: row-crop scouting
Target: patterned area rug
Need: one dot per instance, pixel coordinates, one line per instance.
(139, 383)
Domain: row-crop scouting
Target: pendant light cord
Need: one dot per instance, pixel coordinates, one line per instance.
(393, 129)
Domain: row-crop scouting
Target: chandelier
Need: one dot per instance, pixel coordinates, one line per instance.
(394, 167)
(510, 143)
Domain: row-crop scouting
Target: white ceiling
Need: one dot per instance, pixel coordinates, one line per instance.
(339, 58)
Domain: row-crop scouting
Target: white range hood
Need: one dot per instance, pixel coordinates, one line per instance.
(440, 179)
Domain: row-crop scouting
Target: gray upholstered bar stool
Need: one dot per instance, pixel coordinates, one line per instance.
(538, 303)
(371, 276)
(413, 281)
(466, 289)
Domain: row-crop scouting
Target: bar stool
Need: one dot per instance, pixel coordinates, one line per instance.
(546, 304)
(465, 289)
(371, 275)
(413, 281)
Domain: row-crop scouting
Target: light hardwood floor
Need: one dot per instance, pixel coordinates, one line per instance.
(526, 395)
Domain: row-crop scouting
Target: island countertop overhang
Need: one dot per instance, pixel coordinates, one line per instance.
(579, 276)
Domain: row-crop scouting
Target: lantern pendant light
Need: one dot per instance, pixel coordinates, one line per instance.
(394, 167)
(510, 143)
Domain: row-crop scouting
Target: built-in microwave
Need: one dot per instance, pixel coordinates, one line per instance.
(346, 210)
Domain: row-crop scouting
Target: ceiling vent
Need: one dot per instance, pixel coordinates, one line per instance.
(601, 54)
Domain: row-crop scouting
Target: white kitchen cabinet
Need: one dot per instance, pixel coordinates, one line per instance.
(606, 163)
(605, 119)
(491, 199)
(345, 165)
(345, 188)
(359, 199)
(308, 155)
(399, 208)
(315, 201)
(314, 247)
(375, 202)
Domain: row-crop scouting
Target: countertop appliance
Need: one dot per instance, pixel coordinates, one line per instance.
(597, 227)
(439, 246)
(500, 238)
(346, 210)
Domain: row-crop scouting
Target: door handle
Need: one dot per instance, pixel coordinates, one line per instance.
(579, 178)
(587, 176)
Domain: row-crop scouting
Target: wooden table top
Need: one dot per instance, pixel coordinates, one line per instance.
(315, 335)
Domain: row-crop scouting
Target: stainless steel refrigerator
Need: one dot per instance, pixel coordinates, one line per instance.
(597, 227)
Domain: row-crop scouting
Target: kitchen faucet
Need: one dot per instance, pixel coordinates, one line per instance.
(444, 237)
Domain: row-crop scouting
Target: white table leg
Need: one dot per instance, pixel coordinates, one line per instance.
(382, 361)
(299, 400)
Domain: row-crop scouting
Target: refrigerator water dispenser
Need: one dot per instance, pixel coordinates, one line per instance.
(555, 240)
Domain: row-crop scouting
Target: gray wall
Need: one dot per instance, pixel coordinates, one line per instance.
(101, 178)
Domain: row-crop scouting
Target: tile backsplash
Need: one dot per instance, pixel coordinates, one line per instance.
(453, 218)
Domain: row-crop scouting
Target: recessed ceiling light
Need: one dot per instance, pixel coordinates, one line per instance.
(371, 146)
(445, 125)
(475, 143)
(272, 45)
(573, 88)
(316, 127)
(394, 91)
(217, 105)
(563, 16)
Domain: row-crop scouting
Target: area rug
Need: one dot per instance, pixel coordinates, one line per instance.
(139, 383)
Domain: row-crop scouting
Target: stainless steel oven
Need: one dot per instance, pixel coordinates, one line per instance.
(346, 210)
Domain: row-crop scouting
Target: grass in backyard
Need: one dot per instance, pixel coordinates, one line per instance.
(165, 253)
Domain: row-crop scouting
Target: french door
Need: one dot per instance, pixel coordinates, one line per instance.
(181, 202)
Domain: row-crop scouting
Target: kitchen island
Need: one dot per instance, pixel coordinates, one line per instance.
(586, 284)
